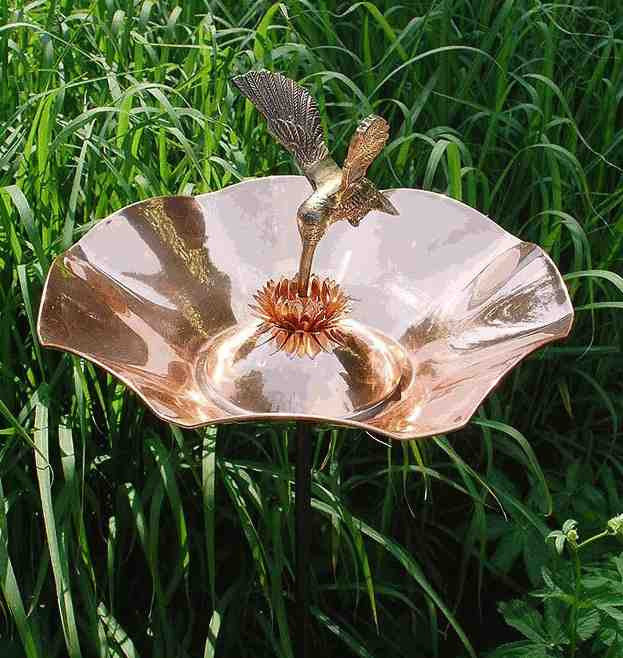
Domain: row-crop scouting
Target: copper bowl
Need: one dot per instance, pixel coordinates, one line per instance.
(444, 303)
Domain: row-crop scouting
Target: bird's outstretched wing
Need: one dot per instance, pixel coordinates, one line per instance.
(367, 142)
(291, 112)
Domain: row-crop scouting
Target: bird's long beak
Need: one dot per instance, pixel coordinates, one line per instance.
(305, 265)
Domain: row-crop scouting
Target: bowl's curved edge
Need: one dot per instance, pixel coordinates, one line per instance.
(339, 422)
(533, 348)
(283, 417)
(563, 287)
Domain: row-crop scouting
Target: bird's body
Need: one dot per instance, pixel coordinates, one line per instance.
(338, 193)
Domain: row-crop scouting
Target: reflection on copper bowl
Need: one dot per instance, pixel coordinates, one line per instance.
(443, 303)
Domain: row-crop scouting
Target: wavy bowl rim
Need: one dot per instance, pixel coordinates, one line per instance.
(289, 417)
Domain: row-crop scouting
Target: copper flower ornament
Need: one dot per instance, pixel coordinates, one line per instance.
(304, 326)
(443, 302)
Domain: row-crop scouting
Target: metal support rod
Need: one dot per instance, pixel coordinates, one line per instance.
(305, 266)
(302, 513)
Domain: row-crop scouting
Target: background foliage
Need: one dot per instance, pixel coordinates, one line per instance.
(121, 536)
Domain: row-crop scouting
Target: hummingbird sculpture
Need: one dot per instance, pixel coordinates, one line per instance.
(293, 119)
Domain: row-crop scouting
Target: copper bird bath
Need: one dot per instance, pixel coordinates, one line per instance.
(402, 326)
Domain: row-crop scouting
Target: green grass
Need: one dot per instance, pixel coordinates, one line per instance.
(121, 536)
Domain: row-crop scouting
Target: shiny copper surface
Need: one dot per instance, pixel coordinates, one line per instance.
(338, 194)
(352, 379)
(444, 303)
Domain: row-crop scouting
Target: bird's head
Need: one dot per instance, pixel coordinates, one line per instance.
(312, 222)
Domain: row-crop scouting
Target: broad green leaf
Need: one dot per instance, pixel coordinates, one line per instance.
(525, 619)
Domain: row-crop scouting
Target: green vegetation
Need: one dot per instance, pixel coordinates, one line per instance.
(582, 604)
(121, 536)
